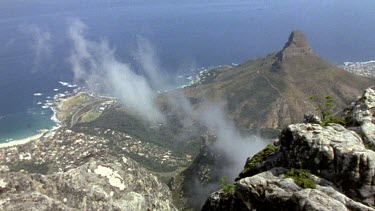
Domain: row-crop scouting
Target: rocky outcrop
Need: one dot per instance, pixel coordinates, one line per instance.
(361, 115)
(338, 154)
(297, 45)
(202, 168)
(338, 166)
(311, 118)
(271, 191)
(99, 184)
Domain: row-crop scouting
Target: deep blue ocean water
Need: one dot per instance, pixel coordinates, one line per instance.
(186, 35)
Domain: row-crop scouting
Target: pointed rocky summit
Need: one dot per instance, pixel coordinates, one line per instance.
(274, 91)
(297, 45)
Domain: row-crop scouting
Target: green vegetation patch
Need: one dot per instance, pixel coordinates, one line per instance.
(252, 167)
(169, 135)
(227, 188)
(301, 178)
(69, 106)
(326, 110)
(44, 168)
(77, 100)
(90, 116)
(367, 146)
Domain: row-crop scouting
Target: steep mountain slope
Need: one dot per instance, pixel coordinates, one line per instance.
(274, 91)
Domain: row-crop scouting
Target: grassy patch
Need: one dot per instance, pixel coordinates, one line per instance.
(301, 178)
(90, 116)
(77, 100)
(334, 119)
(252, 166)
(69, 106)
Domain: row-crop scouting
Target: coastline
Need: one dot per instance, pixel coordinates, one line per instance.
(52, 104)
(24, 140)
(366, 68)
(41, 132)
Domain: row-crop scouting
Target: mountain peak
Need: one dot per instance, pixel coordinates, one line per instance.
(297, 39)
(297, 45)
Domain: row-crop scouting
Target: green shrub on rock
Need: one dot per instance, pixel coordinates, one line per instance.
(253, 166)
(227, 188)
(326, 111)
(301, 178)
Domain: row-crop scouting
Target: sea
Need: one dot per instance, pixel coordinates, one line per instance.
(187, 36)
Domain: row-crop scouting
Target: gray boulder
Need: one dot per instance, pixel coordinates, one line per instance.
(311, 118)
(361, 117)
(344, 172)
(332, 152)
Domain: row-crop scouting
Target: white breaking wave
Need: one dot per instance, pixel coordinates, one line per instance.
(66, 84)
(54, 116)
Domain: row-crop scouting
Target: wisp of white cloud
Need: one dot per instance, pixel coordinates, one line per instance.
(148, 60)
(10, 42)
(235, 146)
(40, 42)
(95, 64)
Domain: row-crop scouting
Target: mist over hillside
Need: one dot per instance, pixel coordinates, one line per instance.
(214, 105)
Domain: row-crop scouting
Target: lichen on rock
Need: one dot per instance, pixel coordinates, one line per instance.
(113, 177)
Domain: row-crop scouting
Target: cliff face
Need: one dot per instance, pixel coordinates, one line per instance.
(202, 176)
(311, 167)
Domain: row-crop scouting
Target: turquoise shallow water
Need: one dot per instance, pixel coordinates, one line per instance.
(24, 124)
(31, 114)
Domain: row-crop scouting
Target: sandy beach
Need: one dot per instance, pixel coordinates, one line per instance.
(23, 141)
(55, 107)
